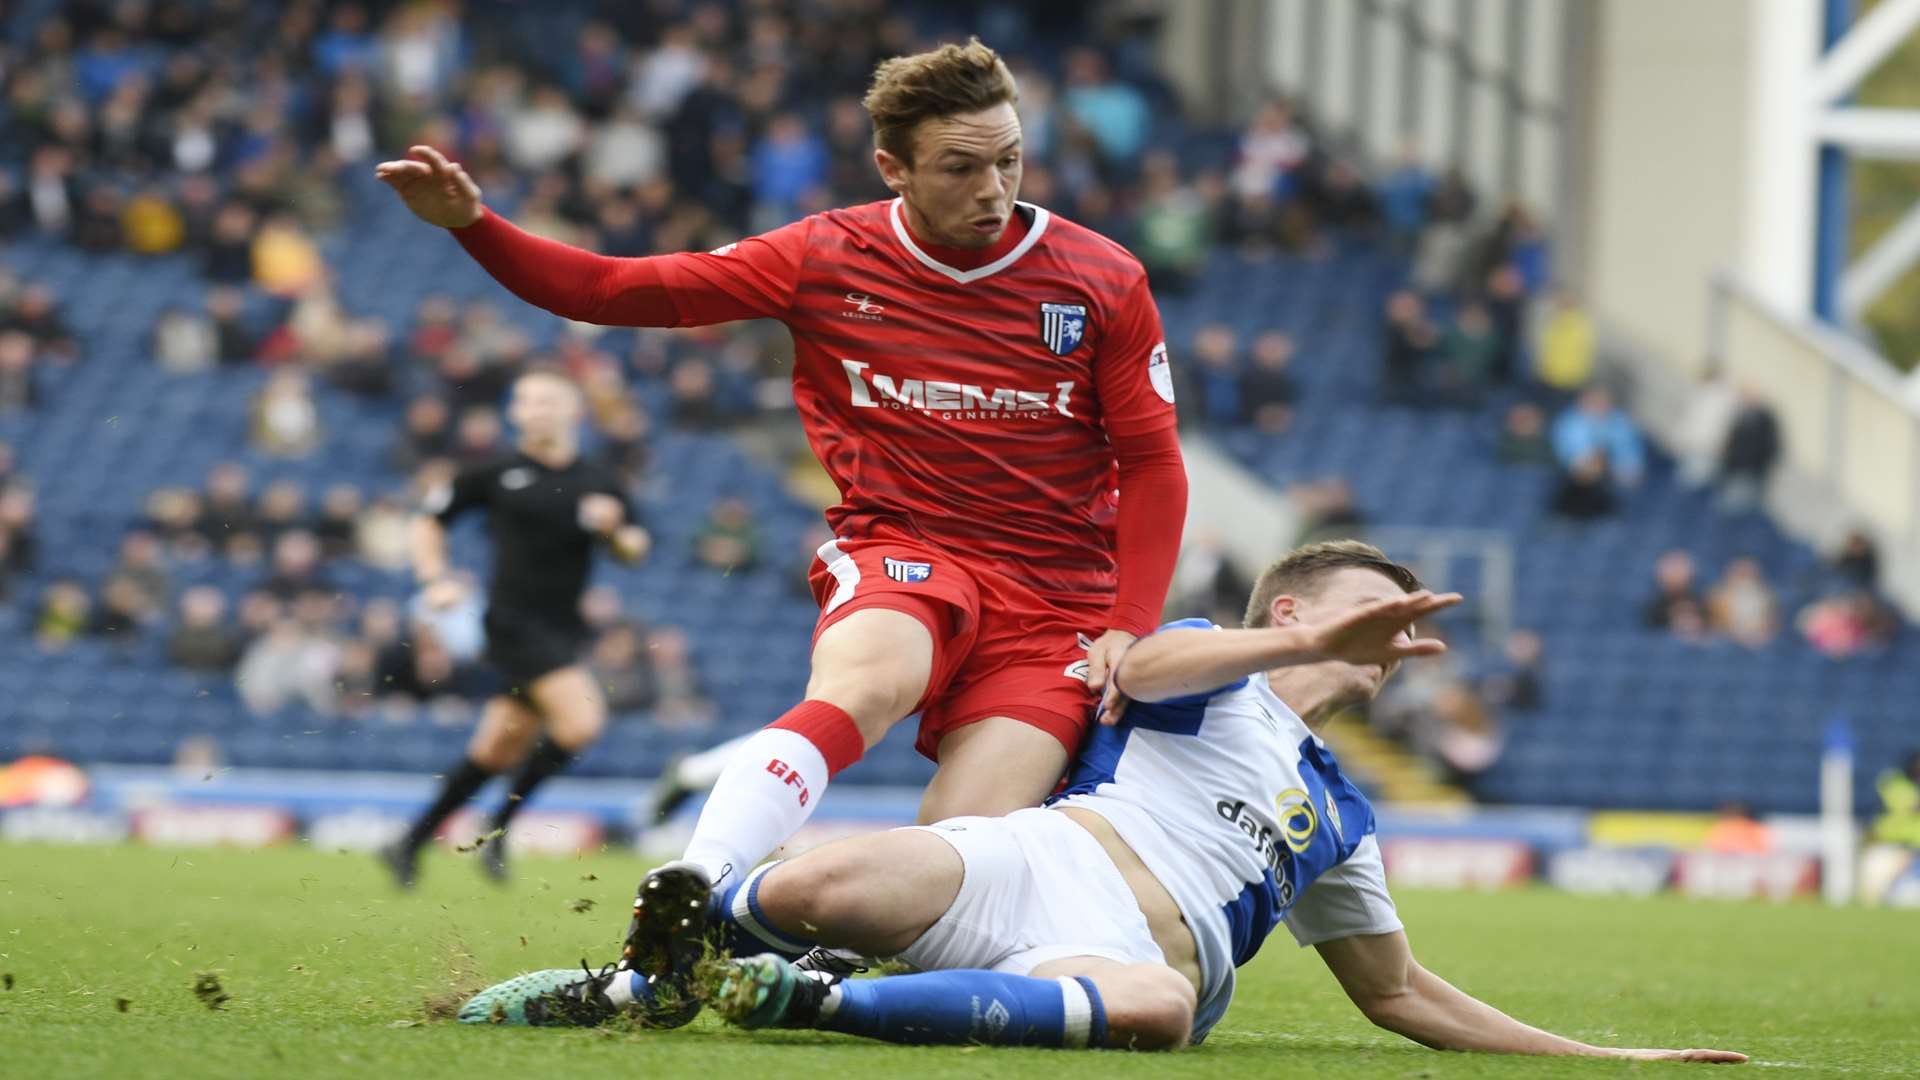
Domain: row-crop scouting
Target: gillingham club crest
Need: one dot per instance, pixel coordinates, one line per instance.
(909, 572)
(1063, 326)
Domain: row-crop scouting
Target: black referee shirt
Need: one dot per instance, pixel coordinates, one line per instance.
(541, 554)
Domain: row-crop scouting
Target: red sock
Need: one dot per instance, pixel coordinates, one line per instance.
(829, 728)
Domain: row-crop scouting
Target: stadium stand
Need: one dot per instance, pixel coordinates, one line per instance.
(1630, 716)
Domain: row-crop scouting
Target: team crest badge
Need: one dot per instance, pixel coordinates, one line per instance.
(908, 572)
(1063, 326)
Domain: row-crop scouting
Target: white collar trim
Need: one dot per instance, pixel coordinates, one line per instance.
(1040, 217)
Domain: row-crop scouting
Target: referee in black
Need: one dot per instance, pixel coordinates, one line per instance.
(546, 510)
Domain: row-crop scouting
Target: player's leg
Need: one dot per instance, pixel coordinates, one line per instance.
(992, 767)
(685, 777)
(1082, 1002)
(870, 669)
(573, 713)
(875, 894)
(506, 733)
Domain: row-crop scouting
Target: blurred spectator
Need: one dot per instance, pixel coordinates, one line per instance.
(1270, 149)
(1899, 821)
(1175, 226)
(1566, 345)
(143, 562)
(285, 420)
(1506, 306)
(1847, 624)
(681, 704)
(695, 403)
(382, 538)
(66, 613)
(96, 226)
(1674, 592)
(1737, 830)
(173, 514)
(1327, 511)
(1858, 561)
(125, 608)
(423, 434)
(468, 381)
(185, 343)
(1523, 438)
(1515, 684)
(1113, 112)
(201, 640)
(434, 328)
(289, 664)
(229, 248)
(339, 521)
(18, 382)
(789, 164)
(236, 341)
(625, 152)
(601, 609)
(1469, 357)
(1208, 584)
(1268, 391)
(1409, 339)
(1404, 193)
(365, 363)
(1462, 735)
(1595, 429)
(479, 436)
(1584, 492)
(624, 670)
(226, 511)
(296, 566)
(151, 224)
(1212, 391)
(1339, 198)
(282, 508)
(36, 314)
(623, 443)
(18, 521)
(1702, 435)
(1742, 605)
(544, 131)
(1751, 451)
(730, 540)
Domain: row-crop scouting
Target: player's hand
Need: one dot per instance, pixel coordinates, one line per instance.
(1103, 656)
(444, 594)
(1705, 1057)
(632, 543)
(438, 191)
(1113, 705)
(1380, 632)
(600, 514)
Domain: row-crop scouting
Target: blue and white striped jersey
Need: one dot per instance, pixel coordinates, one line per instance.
(1244, 816)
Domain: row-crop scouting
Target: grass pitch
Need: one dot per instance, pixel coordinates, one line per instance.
(132, 961)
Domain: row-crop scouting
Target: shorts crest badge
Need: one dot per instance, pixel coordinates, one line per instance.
(908, 572)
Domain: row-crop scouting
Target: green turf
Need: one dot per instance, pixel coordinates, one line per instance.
(326, 970)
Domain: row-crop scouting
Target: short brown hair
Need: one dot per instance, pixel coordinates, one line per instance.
(1300, 572)
(950, 80)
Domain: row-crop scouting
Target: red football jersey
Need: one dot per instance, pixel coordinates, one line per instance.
(968, 408)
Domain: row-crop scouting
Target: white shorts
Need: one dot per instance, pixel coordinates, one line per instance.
(1037, 888)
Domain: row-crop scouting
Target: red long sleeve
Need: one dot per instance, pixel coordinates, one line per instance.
(1152, 515)
(752, 279)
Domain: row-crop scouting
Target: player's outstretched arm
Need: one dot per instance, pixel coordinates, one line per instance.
(577, 284)
(1380, 975)
(1178, 662)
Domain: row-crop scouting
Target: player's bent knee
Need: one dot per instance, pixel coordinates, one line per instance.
(1150, 1007)
(822, 888)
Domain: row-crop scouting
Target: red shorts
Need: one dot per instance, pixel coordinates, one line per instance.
(1001, 650)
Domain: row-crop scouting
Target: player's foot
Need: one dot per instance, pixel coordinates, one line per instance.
(402, 860)
(670, 792)
(493, 860)
(668, 933)
(560, 997)
(766, 991)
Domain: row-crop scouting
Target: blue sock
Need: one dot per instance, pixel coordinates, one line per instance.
(734, 912)
(969, 1007)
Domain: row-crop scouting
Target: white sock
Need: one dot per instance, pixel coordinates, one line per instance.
(767, 791)
(702, 770)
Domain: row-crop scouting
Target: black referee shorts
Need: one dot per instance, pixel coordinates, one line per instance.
(522, 647)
